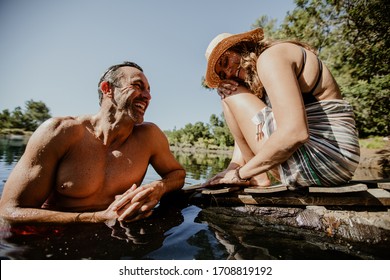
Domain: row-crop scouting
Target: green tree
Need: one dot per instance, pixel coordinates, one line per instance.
(202, 135)
(17, 118)
(36, 113)
(173, 136)
(366, 28)
(29, 119)
(5, 119)
(220, 131)
(192, 132)
(371, 103)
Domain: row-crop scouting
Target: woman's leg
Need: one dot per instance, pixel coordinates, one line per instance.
(242, 153)
(239, 110)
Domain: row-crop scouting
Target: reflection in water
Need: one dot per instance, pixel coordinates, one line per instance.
(176, 230)
(170, 233)
(90, 241)
(249, 237)
(201, 166)
(11, 150)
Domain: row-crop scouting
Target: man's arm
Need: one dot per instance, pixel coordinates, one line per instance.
(165, 164)
(32, 180)
(143, 199)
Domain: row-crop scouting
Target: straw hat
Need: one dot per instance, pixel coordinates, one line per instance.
(222, 43)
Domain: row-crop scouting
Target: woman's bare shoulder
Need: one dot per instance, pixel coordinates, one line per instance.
(281, 51)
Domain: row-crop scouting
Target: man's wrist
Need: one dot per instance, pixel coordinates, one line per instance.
(88, 217)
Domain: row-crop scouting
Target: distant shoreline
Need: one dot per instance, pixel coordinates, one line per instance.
(193, 150)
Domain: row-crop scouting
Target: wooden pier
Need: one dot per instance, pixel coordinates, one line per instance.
(355, 212)
(356, 194)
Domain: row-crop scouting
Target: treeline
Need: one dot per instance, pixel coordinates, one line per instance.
(212, 135)
(24, 120)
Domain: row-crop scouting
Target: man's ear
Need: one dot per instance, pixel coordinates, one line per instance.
(105, 87)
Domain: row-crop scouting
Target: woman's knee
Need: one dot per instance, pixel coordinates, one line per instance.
(243, 102)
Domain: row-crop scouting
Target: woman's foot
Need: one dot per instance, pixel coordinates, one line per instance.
(261, 180)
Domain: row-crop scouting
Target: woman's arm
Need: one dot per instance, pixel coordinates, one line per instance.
(276, 68)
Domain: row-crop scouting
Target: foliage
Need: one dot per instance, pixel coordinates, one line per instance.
(352, 40)
(201, 135)
(376, 142)
(371, 105)
(29, 119)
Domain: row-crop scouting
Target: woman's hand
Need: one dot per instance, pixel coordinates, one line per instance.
(227, 177)
(226, 88)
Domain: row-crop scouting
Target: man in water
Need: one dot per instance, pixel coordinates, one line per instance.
(90, 168)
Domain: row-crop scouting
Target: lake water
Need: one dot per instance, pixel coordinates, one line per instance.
(176, 230)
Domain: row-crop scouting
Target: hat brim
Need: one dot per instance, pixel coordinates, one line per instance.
(212, 80)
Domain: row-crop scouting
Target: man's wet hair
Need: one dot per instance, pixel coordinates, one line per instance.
(112, 76)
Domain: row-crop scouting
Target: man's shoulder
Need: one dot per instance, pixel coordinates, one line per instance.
(61, 123)
(147, 127)
(64, 126)
(56, 134)
(149, 130)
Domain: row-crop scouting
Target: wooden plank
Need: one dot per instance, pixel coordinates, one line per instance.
(357, 194)
(382, 195)
(340, 189)
(371, 183)
(354, 186)
(385, 186)
(270, 189)
(379, 193)
(365, 199)
(220, 190)
(191, 188)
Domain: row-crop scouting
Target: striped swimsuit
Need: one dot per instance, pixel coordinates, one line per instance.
(331, 155)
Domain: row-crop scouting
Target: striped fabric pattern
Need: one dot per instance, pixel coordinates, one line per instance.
(331, 155)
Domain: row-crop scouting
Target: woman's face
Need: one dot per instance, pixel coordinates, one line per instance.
(228, 66)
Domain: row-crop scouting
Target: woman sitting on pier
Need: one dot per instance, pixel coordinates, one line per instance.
(285, 111)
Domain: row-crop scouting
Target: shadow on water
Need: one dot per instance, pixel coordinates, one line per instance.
(170, 233)
(176, 230)
(89, 241)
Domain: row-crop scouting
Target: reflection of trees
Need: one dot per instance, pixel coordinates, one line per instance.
(209, 248)
(10, 152)
(202, 165)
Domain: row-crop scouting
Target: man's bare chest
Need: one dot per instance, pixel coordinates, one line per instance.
(93, 171)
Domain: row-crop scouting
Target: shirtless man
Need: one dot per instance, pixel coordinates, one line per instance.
(90, 168)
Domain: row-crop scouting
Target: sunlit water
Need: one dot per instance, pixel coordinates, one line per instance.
(176, 230)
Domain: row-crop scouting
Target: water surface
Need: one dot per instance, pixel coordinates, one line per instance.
(176, 230)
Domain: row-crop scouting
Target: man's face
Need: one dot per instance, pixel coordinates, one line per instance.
(133, 93)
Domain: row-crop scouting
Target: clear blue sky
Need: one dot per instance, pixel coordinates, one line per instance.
(55, 51)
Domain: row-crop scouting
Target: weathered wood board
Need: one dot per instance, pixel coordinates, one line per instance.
(357, 194)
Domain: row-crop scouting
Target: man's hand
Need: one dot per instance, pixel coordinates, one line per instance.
(134, 204)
